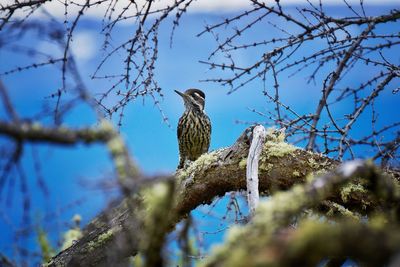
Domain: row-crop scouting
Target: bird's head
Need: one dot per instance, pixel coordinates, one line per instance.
(194, 99)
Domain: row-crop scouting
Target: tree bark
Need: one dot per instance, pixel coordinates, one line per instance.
(106, 239)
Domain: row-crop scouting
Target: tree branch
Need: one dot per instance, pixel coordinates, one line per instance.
(106, 240)
(35, 132)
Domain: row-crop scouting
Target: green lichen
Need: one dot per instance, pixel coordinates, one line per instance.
(77, 218)
(152, 196)
(275, 145)
(275, 135)
(317, 173)
(203, 160)
(100, 240)
(156, 215)
(36, 126)
(105, 236)
(243, 163)
(296, 174)
(234, 235)
(350, 189)
(278, 150)
(321, 167)
(266, 166)
(64, 130)
(378, 221)
(269, 216)
(310, 177)
(105, 125)
(115, 146)
(50, 263)
(137, 260)
(281, 202)
(46, 249)
(123, 166)
(71, 236)
(312, 163)
(342, 210)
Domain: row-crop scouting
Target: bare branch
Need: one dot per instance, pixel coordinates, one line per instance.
(252, 166)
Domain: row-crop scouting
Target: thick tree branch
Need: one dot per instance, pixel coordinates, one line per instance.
(117, 232)
(281, 165)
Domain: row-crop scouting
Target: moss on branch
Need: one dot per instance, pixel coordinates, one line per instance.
(210, 176)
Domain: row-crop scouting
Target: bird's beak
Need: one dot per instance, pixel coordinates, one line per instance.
(181, 94)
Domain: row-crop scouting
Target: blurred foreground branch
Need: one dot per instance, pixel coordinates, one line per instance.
(270, 239)
(35, 132)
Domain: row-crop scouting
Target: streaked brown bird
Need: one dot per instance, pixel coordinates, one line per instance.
(194, 127)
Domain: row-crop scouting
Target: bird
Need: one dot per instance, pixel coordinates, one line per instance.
(194, 127)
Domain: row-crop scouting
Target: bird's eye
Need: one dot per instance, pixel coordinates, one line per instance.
(196, 95)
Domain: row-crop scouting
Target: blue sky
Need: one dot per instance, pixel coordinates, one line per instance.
(68, 170)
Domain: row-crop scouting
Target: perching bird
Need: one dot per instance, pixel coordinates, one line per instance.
(194, 127)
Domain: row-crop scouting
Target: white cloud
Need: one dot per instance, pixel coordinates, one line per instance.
(49, 48)
(222, 6)
(57, 8)
(83, 46)
(219, 5)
